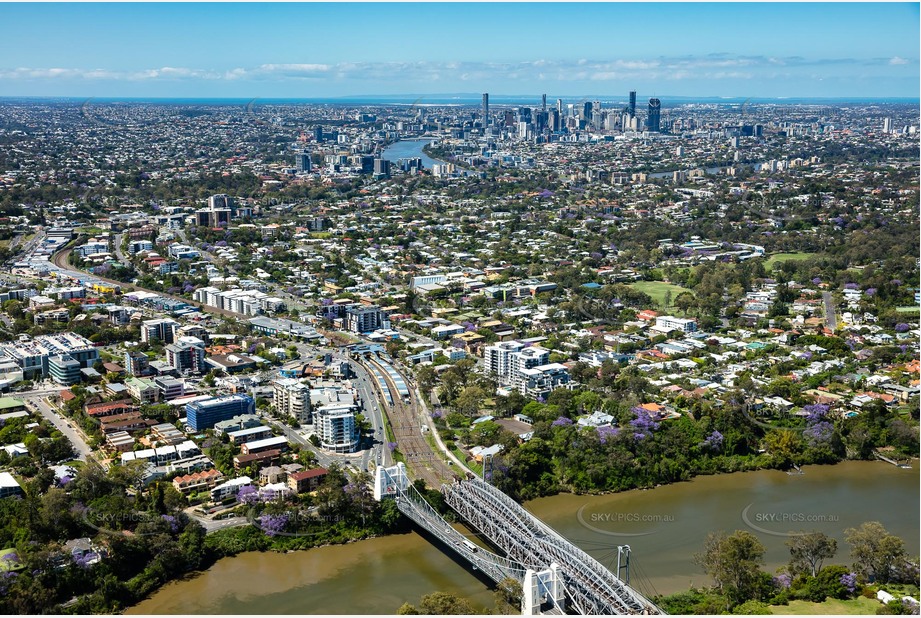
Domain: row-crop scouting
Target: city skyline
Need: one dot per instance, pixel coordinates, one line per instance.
(821, 50)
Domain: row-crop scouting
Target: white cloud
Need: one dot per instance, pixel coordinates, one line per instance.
(713, 66)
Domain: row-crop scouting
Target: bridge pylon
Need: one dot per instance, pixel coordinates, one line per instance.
(542, 592)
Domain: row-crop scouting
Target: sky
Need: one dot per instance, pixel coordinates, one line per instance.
(564, 49)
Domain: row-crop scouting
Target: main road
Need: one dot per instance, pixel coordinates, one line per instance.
(831, 320)
(37, 400)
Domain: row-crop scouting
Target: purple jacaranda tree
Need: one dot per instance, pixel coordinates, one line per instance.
(172, 522)
(606, 432)
(849, 581)
(819, 433)
(870, 291)
(562, 422)
(248, 494)
(392, 446)
(902, 327)
(273, 525)
(714, 441)
(643, 420)
(782, 580)
(816, 412)
(816, 280)
(850, 286)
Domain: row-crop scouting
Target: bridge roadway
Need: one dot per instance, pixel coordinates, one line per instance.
(590, 588)
(412, 504)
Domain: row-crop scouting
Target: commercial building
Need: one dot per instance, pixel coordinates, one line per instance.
(242, 436)
(63, 369)
(204, 414)
(32, 356)
(265, 444)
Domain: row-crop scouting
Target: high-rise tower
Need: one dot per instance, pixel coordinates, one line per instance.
(632, 107)
(652, 122)
(485, 109)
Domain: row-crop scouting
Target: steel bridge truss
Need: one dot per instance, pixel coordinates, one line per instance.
(412, 504)
(590, 588)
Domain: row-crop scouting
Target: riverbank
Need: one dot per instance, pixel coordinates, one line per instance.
(664, 526)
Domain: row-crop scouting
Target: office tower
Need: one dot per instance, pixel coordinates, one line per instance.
(887, 125)
(632, 107)
(543, 103)
(652, 122)
(220, 202)
(318, 134)
(485, 109)
(559, 107)
(382, 168)
(524, 114)
(587, 110)
(555, 116)
(302, 160)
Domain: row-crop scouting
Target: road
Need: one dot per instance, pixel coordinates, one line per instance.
(59, 260)
(117, 241)
(64, 425)
(831, 320)
(371, 404)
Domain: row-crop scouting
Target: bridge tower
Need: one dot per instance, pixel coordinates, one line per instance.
(388, 482)
(542, 592)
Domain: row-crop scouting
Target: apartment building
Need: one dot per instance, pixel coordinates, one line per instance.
(292, 398)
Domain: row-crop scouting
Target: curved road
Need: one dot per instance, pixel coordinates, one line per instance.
(60, 258)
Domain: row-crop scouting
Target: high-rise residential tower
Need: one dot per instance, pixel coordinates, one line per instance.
(652, 122)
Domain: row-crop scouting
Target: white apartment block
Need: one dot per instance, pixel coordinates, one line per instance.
(668, 323)
(292, 398)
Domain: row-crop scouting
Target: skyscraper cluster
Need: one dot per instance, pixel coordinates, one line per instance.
(540, 123)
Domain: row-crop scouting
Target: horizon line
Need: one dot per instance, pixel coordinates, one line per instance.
(456, 95)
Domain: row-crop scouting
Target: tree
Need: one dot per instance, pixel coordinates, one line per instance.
(470, 400)
(445, 604)
(684, 301)
(508, 596)
(809, 550)
(734, 562)
(877, 554)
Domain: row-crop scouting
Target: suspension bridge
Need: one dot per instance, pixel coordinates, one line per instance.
(556, 576)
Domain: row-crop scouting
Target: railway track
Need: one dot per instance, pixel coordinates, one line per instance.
(406, 424)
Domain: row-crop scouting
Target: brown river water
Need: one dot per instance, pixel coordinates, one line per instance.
(664, 527)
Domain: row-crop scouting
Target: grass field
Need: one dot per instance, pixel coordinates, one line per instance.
(784, 257)
(657, 290)
(852, 607)
(908, 309)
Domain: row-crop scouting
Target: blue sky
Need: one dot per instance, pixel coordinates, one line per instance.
(562, 49)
